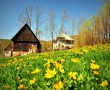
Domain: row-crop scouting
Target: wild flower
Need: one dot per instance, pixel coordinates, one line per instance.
(57, 65)
(92, 61)
(75, 60)
(20, 80)
(62, 70)
(35, 71)
(48, 62)
(21, 86)
(32, 81)
(85, 50)
(54, 63)
(58, 85)
(62, 61)
(95, 72)
(25, 87)
(72, 75)
(50, 73)
(94, 66)
(104, 83)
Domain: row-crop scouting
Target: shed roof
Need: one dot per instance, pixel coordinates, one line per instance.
(66, 37)
(9, 47)
(15, 38)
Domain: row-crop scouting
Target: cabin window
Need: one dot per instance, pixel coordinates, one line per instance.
(69, 42)
(60, 38)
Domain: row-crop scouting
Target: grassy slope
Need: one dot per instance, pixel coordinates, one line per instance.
(101, 54)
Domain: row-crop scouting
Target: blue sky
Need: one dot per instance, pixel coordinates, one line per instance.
(11, 9)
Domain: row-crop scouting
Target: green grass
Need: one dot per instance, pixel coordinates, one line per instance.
(16, 73)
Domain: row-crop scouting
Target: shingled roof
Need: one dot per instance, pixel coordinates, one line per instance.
(64, 37)
(9, 47)
(21, 35)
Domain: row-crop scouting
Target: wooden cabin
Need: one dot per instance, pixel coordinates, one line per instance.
(26, 41)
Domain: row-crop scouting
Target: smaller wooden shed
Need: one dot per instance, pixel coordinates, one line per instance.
(8, 50)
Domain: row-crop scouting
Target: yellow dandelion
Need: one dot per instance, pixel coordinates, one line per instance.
(92, 61)
(21, 86)
(96, 72)
(47, 63)
(50, 73)
(75, 60)
(32, 81)
(59, 66)
(72, 75)
(54, 63)
(85, 50)
(62, 70)
(104, 83)
(20, 80)
(58, 85)
(94, 66)
(62, 61)
(35, 71)
(25, 87)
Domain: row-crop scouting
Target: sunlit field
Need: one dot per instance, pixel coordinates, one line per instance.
(86, 68)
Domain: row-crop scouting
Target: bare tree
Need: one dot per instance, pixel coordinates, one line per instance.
(104, 12)
(51, 23)
(46, 33)
(26, 16)
(80, 23)
(39, 33)
(64, 17)
(39, 21)
(73, 26)
(46, 29)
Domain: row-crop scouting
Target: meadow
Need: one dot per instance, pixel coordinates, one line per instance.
(86, 68)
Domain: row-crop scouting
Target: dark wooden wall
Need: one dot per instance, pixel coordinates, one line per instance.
(26, 35)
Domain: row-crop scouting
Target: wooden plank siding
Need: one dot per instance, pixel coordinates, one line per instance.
(24, 38)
